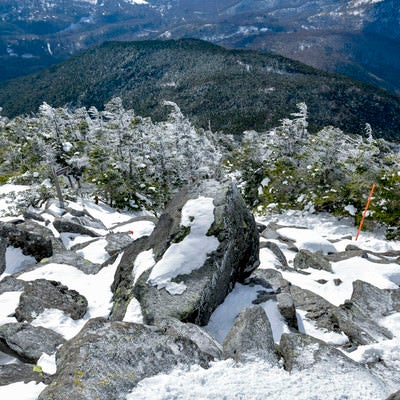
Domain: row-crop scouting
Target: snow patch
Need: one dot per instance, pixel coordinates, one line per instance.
(242, 296)
(22, 391)
(8, 303)
(259, 380)
(133, 312)
(16, 261)
(308, 239)
(95, 252)
(48, 363)
(143, 262)
(190, 254)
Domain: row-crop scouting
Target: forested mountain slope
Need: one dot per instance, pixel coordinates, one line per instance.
(356, 38)
(230, 90)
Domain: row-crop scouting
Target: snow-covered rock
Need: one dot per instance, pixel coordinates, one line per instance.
(204, 242)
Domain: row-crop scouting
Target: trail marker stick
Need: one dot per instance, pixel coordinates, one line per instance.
(365, 210)
(58, 189)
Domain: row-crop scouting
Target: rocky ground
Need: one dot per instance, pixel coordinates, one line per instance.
(94, 302)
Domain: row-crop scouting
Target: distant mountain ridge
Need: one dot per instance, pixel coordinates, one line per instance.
(360, 38)
(228, 90)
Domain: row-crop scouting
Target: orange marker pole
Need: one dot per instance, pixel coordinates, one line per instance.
(365, 211)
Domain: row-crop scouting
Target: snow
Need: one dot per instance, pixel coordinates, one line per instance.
(241, 297)
(71, 239)
(257, 381)
(133, 312)
(351, 209)
(143, 262)
(191, 253)
(107, 215)
(308, 240)
(95, 252)
(136, 2)
(48, 363)
(8, 303)
(22, 391)
(16, 261)
(136, 229)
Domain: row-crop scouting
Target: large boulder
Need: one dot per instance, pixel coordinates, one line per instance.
(107, 359)
(28, 342)
(74, 259)
(251, 337)
(205, 241)
(34, 239)
(42, 294)
(369, 304)
(375, 302)
(394, 396)
(117, 242)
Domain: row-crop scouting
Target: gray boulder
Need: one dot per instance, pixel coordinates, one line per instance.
(375, 302)
(301, 352)
(88, 221)
(306, 259)
(251, 337)
(11, 284)
(235, 257)
(117, 242)
(367, 305)
(42, 294)
(30, 214)
(206, 343)
(324, 313)
(270, 278)
(66, 225)
(347, 254)
(107, 359)
(32, 238)
(12, 373)
(28, 342)
(270, 231)
(287, 309)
